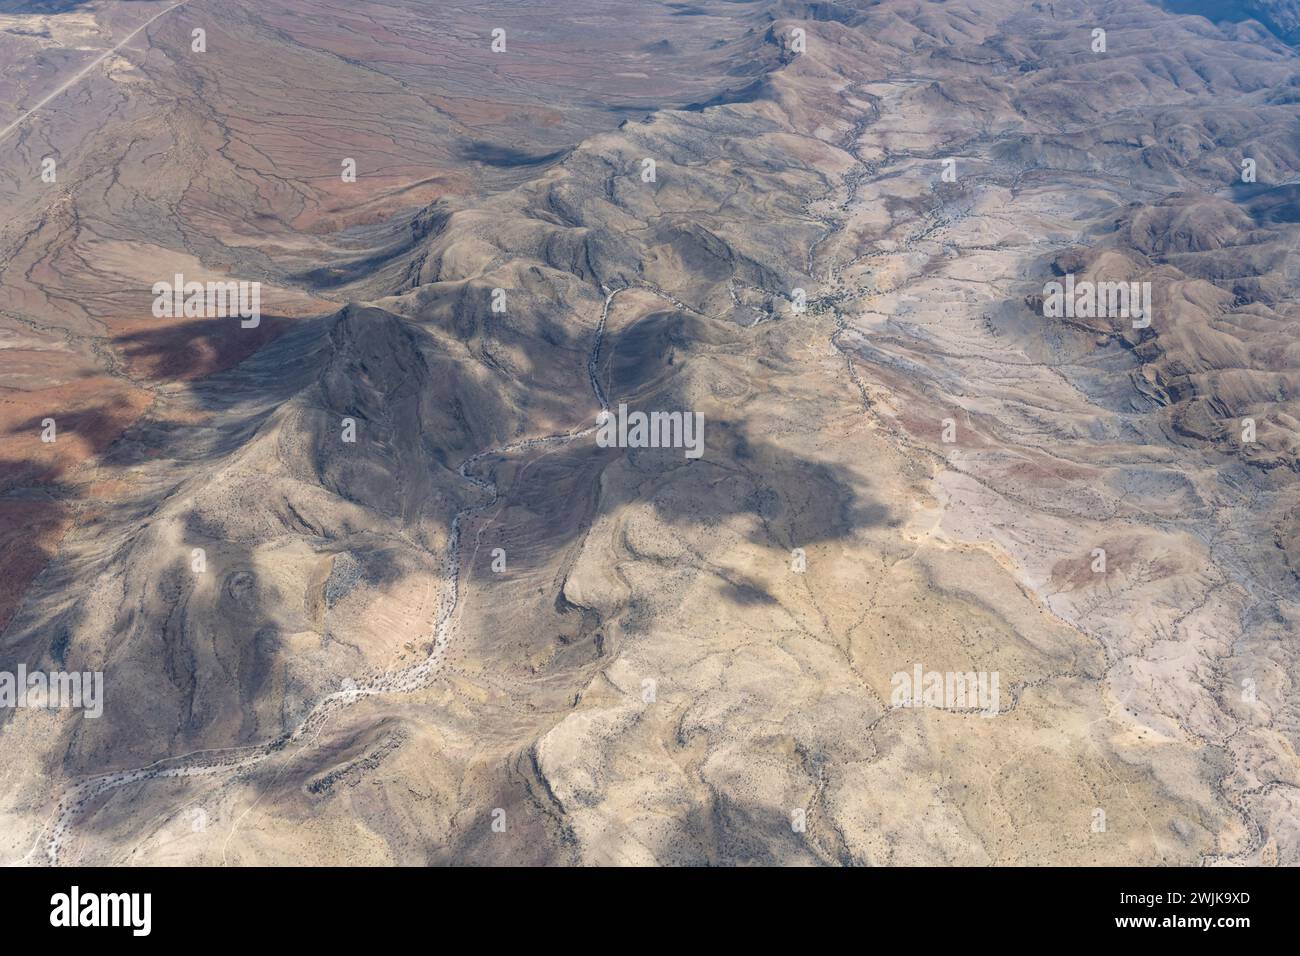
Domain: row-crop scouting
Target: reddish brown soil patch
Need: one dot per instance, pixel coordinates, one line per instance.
(188, 349)
(89, 414)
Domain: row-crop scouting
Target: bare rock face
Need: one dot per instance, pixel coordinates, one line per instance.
(909, 561)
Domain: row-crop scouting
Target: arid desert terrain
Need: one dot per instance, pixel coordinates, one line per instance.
(971, 330)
